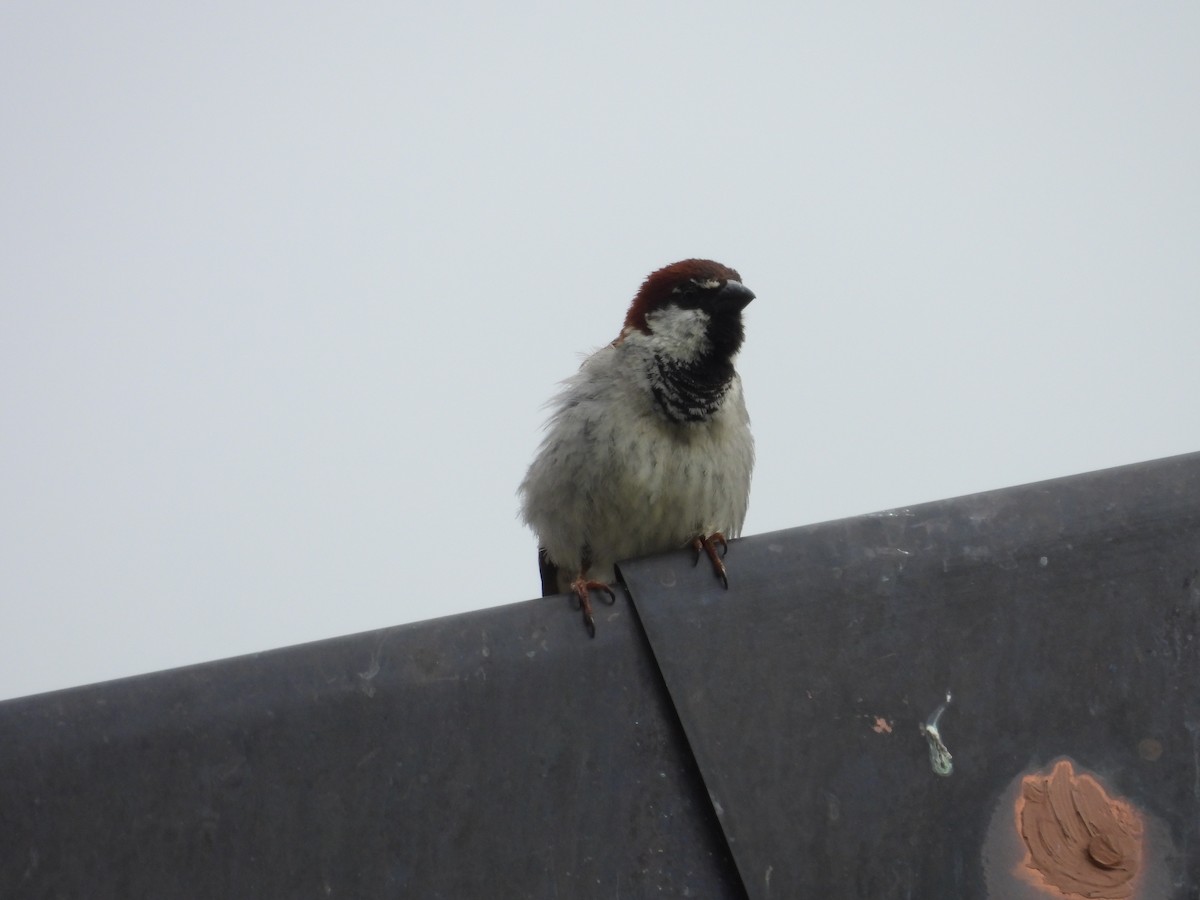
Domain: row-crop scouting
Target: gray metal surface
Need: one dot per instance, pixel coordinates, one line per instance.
(1063, 618)
(503, 754)
(496, 754)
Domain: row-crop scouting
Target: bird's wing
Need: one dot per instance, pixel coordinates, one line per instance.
(549, 573)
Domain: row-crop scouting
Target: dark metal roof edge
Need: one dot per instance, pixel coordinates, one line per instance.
(1080, 478)
(1013, 490)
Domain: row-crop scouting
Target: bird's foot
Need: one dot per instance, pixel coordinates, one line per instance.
(709, 543)
(581, 588)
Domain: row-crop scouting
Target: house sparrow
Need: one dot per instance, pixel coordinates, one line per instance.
(648, 447)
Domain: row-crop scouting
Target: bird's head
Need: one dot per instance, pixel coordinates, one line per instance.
(691, 309)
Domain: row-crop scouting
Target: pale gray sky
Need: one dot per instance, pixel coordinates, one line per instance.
(285, 286)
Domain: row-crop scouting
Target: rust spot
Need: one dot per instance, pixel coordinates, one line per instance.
(882, 726)
(1149, 749)
(1079, 841)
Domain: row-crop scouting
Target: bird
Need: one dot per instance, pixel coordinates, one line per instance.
(648, 446)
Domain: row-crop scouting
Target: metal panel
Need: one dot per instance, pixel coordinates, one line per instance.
(1063, 619)
(495, 754)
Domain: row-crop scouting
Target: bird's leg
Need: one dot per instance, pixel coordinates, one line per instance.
(709, 543)
(580, 589)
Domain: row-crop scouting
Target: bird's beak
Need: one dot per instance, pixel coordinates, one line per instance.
(732, 298)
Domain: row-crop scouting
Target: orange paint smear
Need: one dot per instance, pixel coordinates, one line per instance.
(1080, 841)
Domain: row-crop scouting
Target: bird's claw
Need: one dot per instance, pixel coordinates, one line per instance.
(581, 590)
(709, 543)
